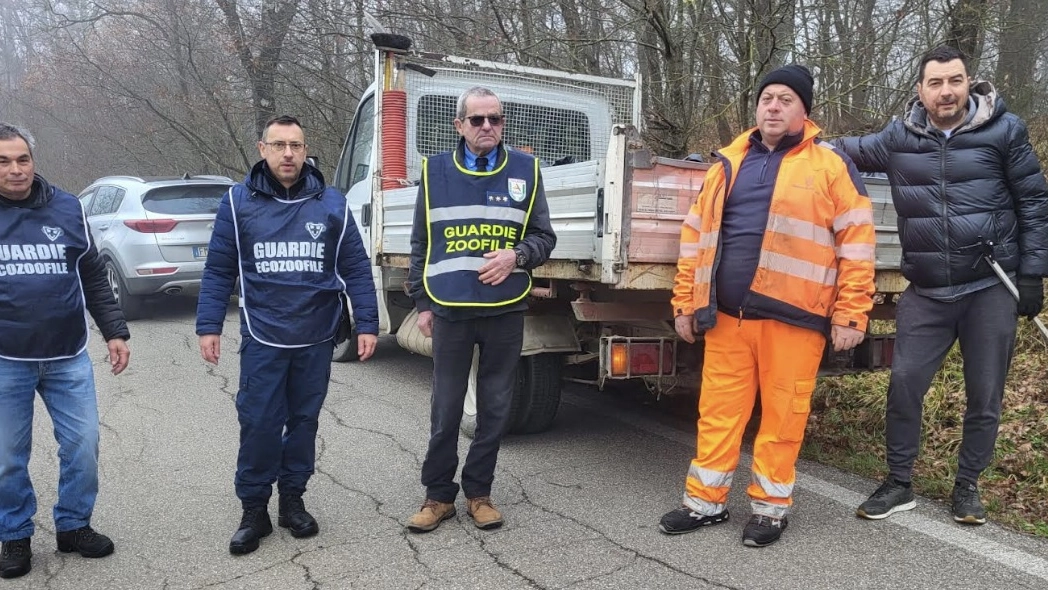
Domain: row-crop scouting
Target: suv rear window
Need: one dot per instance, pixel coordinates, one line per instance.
(184, 200)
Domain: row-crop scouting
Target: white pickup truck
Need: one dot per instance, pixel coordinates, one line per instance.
(602, 299)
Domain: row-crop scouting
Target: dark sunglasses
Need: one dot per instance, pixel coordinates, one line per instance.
(478, 120)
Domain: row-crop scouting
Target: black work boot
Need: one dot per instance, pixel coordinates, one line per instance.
(685, 520)
(254, 525)
(762, 530)
(84, 541)
(293, 517)
(16, 558)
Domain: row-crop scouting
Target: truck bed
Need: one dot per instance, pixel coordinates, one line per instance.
(618, 221)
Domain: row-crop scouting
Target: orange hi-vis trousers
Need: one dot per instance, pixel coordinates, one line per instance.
(742, 357)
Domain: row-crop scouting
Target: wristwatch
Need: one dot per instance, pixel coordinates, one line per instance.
(522, 258)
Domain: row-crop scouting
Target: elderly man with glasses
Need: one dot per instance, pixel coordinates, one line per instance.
(481, 224)
(293, 242)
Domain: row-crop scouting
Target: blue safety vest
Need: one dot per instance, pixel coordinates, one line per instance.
(288, 248)
(469, 213)
(42, 309)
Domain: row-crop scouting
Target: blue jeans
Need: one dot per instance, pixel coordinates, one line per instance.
(67, 388)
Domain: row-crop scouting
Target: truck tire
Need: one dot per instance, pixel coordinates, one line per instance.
(133, 306)
(536, 397)
(517, 409)
(347, 351)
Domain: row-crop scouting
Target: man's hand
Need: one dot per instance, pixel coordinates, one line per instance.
(425, 323)
(119, 355)
(211, 347)
(499, 265)
(1031, 296)
(366, 345)
(845, 338)
(685, 326)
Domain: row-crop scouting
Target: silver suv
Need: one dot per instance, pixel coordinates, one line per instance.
(153, 233)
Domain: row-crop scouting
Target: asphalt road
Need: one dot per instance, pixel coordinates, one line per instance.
(582, 502)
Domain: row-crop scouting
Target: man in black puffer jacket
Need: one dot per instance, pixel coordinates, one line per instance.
(962, 172)
(50, 275)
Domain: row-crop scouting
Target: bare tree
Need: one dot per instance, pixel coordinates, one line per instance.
(259, 46)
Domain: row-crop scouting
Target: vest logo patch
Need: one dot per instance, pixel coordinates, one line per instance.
(516, 189)
(315, 229)
(52, 233)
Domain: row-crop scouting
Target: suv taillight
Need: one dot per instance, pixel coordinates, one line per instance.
(151, 226)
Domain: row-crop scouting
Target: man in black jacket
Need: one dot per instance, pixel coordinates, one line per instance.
(963, 174)
(49, 272)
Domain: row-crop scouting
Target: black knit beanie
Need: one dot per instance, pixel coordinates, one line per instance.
(796, 77)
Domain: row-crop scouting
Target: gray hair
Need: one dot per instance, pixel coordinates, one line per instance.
(8, 131)
(475, 92)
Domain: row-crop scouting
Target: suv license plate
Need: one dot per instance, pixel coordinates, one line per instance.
(199, 251)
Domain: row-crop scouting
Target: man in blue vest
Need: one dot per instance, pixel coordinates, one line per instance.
(50, 274)
(481, 223)
(293, 242)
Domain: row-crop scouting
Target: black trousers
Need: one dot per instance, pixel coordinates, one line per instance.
(500, 339)
(984, 323)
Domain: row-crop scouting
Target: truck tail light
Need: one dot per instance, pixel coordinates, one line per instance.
(627, 357)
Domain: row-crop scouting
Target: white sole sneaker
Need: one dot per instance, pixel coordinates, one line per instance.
(899, 508)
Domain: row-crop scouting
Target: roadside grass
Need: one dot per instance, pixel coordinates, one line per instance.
(846, 430)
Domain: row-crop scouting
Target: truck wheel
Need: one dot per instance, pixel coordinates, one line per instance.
(132, 305)
(468, 424)
(347, 351)
(536, 398)
(517, 409)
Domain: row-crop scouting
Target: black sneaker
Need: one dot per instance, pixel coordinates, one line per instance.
(762, 530)
(15, 558)
(293, 516)
(890, 498)
(967, 508)
(685, 520)
(84, 541)
(254, 525)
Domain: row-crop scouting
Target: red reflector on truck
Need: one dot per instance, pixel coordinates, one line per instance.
(636, 358)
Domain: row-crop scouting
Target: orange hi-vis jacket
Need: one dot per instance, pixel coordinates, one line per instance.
(817, 257)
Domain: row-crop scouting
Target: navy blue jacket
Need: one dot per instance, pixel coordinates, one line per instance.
(294, 250)
(50, 272)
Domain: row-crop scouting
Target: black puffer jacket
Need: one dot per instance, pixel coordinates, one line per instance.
(983, 182)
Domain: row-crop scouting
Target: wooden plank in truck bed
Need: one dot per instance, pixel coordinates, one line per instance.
(660, 196)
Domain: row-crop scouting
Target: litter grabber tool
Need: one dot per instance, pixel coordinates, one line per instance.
(986, 249)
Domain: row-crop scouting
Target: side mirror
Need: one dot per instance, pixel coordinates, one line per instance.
(313, 161)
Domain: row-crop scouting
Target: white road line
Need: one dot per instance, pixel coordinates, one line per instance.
(948, 533)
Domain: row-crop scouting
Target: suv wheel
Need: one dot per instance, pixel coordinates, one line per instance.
(130, 304)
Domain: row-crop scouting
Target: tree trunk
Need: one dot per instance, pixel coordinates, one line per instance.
(967, 25)
(1020, 38)
(259, 52)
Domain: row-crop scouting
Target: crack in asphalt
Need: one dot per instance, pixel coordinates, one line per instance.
(393, 439)
(243, 575)
(308, 574)
(525, 499)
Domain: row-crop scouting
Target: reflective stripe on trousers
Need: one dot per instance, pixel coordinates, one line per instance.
(741, 357)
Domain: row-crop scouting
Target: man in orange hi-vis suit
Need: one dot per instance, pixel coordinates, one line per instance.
(776, 254)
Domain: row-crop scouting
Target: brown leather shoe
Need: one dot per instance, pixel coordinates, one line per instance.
(430, 516)
(485, 515)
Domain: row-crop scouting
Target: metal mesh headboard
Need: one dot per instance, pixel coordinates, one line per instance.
(552, 117)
